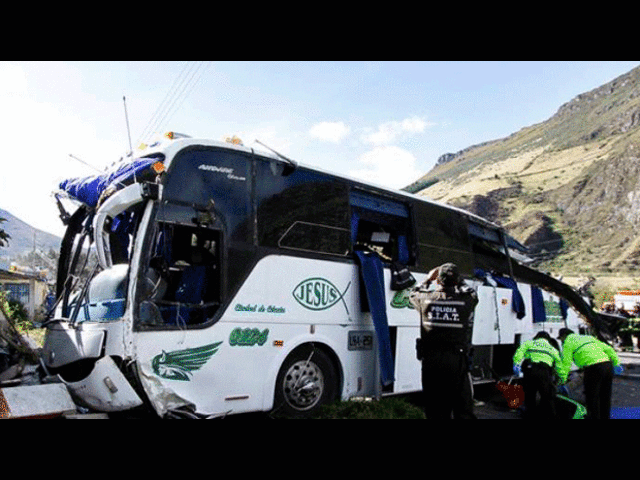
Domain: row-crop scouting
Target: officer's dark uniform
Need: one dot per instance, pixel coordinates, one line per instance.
(446, 316)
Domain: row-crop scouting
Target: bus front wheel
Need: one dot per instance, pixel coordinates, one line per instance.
(306, 381)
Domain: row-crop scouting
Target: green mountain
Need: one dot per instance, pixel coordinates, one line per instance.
(568, 188)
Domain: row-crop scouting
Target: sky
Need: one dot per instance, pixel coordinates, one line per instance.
(386, 122)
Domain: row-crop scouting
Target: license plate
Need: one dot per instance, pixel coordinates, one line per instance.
(360, 340)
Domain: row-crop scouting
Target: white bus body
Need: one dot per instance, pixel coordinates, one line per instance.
(226, 283)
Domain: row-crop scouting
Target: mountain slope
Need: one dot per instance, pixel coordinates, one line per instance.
(569, 187)
(22, 237)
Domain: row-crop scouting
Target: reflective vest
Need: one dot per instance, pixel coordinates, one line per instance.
(446, 315)
(585, 350)
(538, 350)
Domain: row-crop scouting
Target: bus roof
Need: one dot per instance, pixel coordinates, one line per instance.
(145, 165)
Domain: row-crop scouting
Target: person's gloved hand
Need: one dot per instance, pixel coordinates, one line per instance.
(516, 370)
(618, 369)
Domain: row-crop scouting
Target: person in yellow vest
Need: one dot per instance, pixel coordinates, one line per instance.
(599, 362)
(539, 361)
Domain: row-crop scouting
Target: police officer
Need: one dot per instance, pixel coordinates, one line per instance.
(446, 316)
(598, 361)
(539, 361)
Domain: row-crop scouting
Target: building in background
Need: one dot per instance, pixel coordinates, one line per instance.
(26, 285)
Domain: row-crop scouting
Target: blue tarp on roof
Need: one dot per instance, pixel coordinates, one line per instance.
(88, 189)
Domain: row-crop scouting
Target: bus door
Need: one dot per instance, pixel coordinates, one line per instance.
(197, 250)
(381, 234)
(181, 273)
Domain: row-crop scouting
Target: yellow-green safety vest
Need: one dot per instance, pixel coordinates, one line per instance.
(585, 350)
(538, 350)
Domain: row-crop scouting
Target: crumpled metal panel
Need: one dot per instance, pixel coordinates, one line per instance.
(65, 345)
(163, 399)
(106, 389)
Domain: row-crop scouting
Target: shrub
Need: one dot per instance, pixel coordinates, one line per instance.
(386, 408)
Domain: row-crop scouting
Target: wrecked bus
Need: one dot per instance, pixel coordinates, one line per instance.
(204, 278)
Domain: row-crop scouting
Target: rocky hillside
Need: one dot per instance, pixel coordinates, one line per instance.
(568, 188)
(23, 236)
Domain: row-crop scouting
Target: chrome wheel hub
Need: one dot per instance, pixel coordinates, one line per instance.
(303, 385)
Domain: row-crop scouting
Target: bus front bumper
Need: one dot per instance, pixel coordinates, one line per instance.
(93, 379)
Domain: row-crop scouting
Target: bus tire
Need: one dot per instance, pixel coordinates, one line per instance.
(307, 380)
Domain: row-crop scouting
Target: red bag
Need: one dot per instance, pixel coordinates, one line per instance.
(513, 393)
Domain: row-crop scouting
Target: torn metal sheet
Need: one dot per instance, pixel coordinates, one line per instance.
(64, 345)
(163, 399)
(105, 389)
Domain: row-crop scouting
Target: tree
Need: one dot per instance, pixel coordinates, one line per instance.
(4, 236)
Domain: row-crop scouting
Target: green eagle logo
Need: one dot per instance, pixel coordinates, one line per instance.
(178, 365)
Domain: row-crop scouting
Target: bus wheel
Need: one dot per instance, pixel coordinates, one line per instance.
(306, 381)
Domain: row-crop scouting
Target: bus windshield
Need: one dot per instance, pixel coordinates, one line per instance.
(94, 263)
(78, 263)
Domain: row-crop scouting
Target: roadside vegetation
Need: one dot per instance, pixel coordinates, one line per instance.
(16, 326)
(391, 408)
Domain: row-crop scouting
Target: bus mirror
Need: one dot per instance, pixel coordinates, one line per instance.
(289, 168)
(150, 191)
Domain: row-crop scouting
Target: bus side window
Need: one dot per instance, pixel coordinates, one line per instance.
(304, 212)
(381, 225)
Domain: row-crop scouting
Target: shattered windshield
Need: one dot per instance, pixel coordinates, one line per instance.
(92, 281)
(113, 201)
(78, 262)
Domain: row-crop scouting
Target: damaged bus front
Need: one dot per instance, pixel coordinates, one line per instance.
(150, 262)
(140, 280)
(88, 337)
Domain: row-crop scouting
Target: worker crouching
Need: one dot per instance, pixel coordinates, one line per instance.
(446, 318)
(539, 362)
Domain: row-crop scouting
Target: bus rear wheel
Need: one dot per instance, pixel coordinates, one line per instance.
(306, 381)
